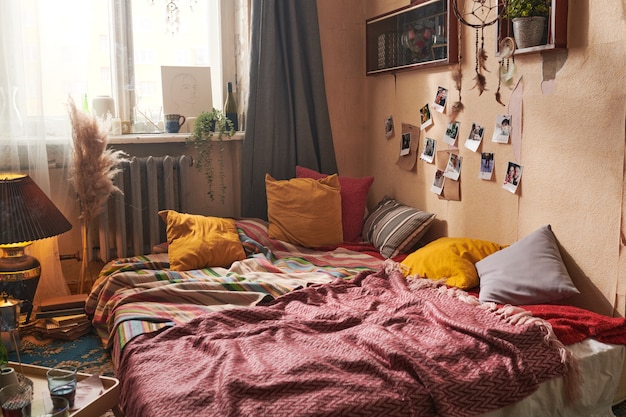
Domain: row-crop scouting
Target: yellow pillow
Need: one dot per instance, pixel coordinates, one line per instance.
(197, 242)
(451, 259)
(305, 211)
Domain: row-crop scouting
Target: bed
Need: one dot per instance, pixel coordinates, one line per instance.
(368, 328)
(177, 338)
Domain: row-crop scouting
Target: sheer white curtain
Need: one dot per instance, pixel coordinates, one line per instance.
(23, 123)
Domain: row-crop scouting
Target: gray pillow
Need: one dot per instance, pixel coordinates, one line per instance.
(530, 271)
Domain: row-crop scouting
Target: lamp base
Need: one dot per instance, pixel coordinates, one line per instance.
(19, 276)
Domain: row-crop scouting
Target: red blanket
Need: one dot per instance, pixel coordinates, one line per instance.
(573, 324)
(369, 347)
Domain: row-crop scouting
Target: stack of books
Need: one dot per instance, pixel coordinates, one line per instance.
(63, 317)
(65, 327)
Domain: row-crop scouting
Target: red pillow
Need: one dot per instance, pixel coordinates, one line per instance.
(353, 201)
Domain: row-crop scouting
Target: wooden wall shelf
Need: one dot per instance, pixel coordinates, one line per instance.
(421, 35)
(556, 36)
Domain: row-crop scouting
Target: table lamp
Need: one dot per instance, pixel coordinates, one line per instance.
(26, 214)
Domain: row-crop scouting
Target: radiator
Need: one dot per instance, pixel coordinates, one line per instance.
(130, 224)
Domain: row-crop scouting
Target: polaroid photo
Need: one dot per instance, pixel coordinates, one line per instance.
(486, 166)
(452, 132)
(453, 168)
(405, 147)
(429, 150)
(440, 99)
(513, 177)
(503, 129)
(475, 137)
(425, 117)
(389, 127)
(438, 182)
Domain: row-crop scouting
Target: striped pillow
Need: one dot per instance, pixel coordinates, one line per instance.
(395, 228)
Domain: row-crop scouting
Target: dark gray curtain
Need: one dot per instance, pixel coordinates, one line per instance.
(287, 122)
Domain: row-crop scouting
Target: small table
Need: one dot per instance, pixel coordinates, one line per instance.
(97, 406)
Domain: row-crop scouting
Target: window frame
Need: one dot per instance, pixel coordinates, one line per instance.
(122, 58)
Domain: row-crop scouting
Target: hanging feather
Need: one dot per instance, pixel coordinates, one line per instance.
(457, 77)
(457, 108)
(498, 97)
(481, 83)
(482, 59)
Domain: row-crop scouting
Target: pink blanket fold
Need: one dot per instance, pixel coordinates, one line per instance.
(368, 347)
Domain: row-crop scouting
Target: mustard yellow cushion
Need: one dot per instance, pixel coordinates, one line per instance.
(196, 242)
(305, 211)
(452, 259)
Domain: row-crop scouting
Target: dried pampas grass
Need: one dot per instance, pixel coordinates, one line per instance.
(94, 166)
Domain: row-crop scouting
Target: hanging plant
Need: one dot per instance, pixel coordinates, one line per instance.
(206, 126)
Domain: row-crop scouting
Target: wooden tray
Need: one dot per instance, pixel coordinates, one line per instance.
(107, 400)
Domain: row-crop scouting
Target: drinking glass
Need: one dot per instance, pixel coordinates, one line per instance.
(14, 397)
(62, 382)
(47, 407)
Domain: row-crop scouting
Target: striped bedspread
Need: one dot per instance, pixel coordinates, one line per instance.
(138, 295)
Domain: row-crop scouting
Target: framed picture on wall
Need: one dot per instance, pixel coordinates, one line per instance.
(186, 90)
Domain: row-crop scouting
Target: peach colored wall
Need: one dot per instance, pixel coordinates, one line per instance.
(572, 146)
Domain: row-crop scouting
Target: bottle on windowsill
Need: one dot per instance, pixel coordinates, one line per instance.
(230, 107)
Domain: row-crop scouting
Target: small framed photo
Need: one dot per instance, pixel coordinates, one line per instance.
(452, 132)
(405, 147)
(428, 154)
(389, 127)
(440, 99)
(425, 117)
(502, 130)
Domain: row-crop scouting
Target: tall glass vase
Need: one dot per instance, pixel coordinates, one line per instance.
(85, 275)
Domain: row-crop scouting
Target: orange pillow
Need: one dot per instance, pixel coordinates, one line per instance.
(304, 211)
(196, 242)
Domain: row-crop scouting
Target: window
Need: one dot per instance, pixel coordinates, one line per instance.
(117, 48)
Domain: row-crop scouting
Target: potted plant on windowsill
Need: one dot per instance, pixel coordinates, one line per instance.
(207, 125)
(529, 19)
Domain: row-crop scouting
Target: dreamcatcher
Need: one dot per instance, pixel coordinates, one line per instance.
(482, 13)
(507, 65)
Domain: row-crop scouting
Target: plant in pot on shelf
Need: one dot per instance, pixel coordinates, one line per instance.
(529, 19)
(207, 125)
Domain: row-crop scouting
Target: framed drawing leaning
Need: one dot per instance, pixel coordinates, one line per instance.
(186, 90)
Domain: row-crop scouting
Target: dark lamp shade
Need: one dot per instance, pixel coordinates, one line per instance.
(26, 212)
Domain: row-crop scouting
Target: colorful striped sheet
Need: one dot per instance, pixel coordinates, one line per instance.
(139, 295)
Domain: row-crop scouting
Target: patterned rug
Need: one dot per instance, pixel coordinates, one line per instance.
(86, 352)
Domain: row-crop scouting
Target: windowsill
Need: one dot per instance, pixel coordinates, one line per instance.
(147, 138)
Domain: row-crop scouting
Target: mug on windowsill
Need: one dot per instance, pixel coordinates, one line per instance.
(173, 122)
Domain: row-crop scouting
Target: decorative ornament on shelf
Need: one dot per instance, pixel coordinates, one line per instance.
(482, 13)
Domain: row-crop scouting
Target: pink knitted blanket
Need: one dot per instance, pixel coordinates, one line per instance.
(371, 346)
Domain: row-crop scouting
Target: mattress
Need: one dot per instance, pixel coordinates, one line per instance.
(601, 368)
